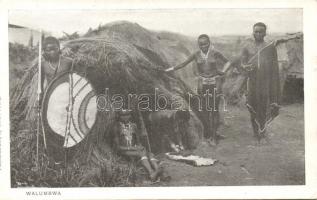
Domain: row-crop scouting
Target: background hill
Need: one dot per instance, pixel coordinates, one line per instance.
(169, 49)
(173, 49)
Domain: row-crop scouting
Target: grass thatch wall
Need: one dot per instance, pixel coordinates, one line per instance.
(123, 68)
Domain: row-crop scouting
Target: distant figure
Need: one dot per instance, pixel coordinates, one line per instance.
(127, 144)
(170, 128)
(53, 63)
(259, 60)
(211, 64)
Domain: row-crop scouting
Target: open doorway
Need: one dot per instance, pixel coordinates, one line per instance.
(293, 91)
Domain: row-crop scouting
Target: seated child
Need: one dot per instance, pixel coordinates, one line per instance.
(127, 143)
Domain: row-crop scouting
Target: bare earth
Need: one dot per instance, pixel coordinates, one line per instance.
(241, 161)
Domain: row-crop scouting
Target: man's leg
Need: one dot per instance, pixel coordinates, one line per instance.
(262, 135)
(255, 128)
(213, 133)
(147, 166)
(207, 124)
(259, 135)
(153, 161)
(205, 113)
(159, 170)
(219, 118)
(143, 160)
(215, 115)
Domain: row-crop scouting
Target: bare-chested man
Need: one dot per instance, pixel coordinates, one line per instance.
(53, 63)
(211, 64)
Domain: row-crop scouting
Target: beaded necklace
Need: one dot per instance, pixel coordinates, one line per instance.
(55, 68)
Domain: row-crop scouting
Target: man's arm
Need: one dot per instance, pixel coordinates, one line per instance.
(226, 67)
(189, 59)
(243, 60)
(224, 61)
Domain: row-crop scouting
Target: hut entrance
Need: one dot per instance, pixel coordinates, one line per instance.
(293, 91)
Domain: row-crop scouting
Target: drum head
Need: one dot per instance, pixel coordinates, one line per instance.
(59, 112)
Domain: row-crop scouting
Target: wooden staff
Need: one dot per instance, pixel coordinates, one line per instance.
(144, 131)
(39, 93)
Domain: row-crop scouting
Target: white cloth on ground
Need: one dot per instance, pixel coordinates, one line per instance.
(192, 159)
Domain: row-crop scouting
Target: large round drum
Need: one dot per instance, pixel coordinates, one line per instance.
(69, 110)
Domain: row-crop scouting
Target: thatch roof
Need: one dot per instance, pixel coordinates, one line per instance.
(175, 48)
(291, 52)
(130, 62)
(172, 48)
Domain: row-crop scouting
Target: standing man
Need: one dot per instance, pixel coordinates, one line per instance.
(52, 64)
(259, 60)
(210, 65)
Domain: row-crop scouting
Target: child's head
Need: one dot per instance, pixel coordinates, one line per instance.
(51, 48)
(124, 116)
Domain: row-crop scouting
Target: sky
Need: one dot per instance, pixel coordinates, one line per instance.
(191, 22)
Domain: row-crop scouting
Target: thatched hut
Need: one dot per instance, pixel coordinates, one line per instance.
(126, 58)
(123, 64)
(291, 64)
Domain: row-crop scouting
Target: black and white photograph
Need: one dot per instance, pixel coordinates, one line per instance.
(157, 98)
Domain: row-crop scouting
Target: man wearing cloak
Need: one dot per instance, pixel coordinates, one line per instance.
(259, 60)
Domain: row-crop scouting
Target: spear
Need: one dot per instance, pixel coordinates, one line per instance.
(144, 132)
(39, 93)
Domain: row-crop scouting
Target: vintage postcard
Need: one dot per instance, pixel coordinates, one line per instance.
(144, 100)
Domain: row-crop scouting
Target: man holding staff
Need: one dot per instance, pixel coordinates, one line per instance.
(258, 60)
(50, 64)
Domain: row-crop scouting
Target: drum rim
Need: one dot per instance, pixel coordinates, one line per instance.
(47, 128)
(86, 100)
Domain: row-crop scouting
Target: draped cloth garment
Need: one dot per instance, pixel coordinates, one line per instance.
(264, 87)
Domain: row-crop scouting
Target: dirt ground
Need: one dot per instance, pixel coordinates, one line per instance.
(241, 161)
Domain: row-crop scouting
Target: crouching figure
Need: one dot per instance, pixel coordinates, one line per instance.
(170, 128)
(127, 144)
